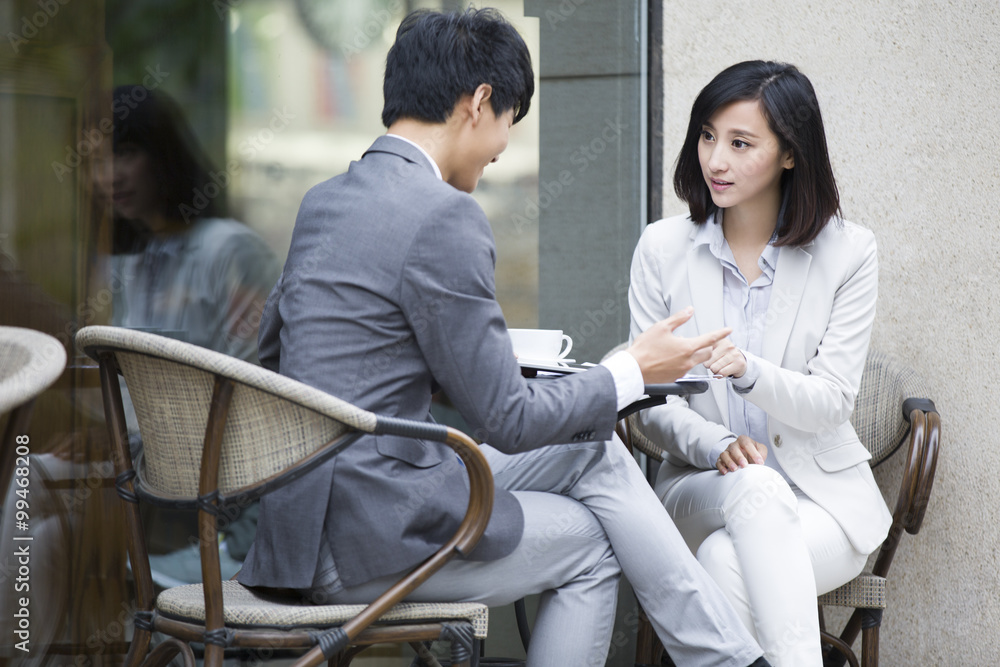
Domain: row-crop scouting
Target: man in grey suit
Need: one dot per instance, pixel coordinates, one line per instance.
(388, 295)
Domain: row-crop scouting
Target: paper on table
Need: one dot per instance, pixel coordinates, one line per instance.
(561, 366)
(699, 378)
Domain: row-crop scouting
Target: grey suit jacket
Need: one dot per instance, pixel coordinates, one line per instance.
(388, 293)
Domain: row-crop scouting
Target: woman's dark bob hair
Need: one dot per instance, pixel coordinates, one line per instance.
(438, 57)
(788, 102)
(152, 121)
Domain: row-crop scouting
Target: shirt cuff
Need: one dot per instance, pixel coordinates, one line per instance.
(743, 385)
(627, 376)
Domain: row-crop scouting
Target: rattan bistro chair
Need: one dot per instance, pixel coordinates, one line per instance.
(218, 431)
(888, 412)
(30, 361)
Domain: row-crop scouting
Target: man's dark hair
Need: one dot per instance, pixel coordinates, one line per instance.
(788, 102)
(439, 57)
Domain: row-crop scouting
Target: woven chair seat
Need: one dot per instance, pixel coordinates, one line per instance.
(244, 607)
(30, 361)
(866, 591)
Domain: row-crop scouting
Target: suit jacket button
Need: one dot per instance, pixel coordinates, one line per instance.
(777, 441)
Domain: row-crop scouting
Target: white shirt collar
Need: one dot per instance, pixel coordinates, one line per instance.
(437, 170)
(710, 234)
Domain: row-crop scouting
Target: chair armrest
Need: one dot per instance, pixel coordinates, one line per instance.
(656, 394)
(638, 440)
(918, 478)
(469, 532)
(928, 461)
(480, 507)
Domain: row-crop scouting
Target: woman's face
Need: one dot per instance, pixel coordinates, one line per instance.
(741, 159)
(136, 195)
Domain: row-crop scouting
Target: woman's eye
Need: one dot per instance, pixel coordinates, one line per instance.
(739, 144)
(706, 135)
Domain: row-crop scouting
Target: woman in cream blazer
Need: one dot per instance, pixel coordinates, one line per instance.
(764, 475)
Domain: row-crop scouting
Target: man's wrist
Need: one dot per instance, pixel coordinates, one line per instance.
(625, 371)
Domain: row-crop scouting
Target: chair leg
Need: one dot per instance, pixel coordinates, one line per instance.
(165, 652)
(838, 651)
(523, 627)
(648, 649)
(870, 625)
(138, 649)
(847, 637)
(463, 642)
(426, 657)
(345, 657)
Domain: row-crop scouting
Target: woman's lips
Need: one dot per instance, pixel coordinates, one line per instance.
(719, 185)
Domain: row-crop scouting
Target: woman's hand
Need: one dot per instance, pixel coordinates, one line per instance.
(664, 357)
(727, 360)
(741, 452)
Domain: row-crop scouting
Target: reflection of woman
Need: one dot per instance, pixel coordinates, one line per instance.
(182, 270)
(764, 252)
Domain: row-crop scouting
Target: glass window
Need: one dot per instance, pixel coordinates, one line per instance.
(305, 99)
(272, 97)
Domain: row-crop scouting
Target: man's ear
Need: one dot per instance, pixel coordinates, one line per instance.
(481, 101)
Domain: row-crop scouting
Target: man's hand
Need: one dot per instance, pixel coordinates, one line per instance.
(664, 357)
(740, 453)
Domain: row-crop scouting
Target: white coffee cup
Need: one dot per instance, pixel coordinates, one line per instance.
(540, 344)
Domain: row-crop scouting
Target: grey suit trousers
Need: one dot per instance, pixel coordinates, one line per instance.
(589, 516)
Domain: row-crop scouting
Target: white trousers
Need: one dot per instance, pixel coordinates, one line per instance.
(770, 548)
(590, 515)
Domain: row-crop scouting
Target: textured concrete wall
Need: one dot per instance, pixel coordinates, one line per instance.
(910, 94)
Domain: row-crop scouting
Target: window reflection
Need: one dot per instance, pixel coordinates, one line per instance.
(182, 267)
(305, 100)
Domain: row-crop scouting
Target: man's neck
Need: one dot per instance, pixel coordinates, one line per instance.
(437, 139)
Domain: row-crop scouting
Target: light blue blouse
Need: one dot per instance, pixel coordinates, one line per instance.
(745, 310)
(206, 286)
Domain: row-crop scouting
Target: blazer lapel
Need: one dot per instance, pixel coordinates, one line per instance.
(786, 297)
(705, 280)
